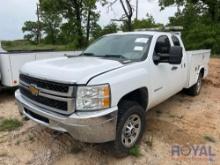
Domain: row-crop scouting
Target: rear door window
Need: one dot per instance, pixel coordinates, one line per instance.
(176, 41)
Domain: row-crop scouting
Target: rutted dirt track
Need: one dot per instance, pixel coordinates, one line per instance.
(181, 120)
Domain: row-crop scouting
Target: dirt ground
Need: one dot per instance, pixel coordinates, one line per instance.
(180, 121)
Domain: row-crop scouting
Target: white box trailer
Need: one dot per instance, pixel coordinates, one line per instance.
(10, 63)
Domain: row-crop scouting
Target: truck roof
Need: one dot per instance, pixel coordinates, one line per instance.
(152, 33)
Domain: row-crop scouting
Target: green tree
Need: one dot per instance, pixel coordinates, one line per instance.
(148, 22)
(200, 20)
(78, 16)
(31, 30)
(52, 20)
(111, 28)
(98, 31)
(210, 8)
(51, 26)
(90, 17)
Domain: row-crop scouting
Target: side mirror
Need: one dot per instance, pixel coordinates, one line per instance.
(176, 55)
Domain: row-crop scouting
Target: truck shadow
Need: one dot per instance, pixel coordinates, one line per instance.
(7, 94)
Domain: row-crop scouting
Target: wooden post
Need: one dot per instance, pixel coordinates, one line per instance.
(38, 25)
(137, 9)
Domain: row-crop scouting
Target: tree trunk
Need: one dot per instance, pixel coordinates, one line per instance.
(53, 40)
(128, 13)
(38, 25)
(77, 11)
(129, 24)
(88, 26)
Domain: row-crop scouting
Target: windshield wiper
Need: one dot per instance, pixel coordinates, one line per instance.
(88, 54)
(107, 55)
(115, 56)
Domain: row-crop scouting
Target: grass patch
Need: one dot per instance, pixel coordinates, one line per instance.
(135, 151)
(17, 142)
(10, 124)
(209, 138)
(30, 138)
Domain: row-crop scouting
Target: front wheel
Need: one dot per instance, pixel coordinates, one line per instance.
(130, 127)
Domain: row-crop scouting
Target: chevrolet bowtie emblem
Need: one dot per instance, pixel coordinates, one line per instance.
(34, 90)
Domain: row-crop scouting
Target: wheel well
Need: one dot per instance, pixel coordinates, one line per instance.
(202, 72)
(139, 95)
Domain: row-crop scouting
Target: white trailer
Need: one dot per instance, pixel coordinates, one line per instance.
(10, 64)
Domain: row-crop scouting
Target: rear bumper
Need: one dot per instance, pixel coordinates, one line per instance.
(91, 127)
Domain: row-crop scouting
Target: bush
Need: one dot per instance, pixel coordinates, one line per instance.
(135, 151)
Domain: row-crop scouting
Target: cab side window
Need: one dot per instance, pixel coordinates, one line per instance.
(162, 45)
(176, 41)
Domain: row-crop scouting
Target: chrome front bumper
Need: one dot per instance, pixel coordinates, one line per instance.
(91, 127)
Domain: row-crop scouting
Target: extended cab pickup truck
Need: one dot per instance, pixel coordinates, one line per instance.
(102, 94)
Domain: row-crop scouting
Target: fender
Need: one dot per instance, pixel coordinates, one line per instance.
(125, 80)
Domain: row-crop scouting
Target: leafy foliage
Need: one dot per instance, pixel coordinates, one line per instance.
(31, 30)
(201, 22)
(51, 25)
(148, 22)
(65, 21)
(98, 31)
(135, 151)
(111, 28)
(74, 23)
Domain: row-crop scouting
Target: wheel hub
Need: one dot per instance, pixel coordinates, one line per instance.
(131, 130)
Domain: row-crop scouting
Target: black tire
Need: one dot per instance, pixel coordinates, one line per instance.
(128, 110)
(195, 89)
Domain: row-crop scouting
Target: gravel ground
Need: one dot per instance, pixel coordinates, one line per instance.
(181, 121)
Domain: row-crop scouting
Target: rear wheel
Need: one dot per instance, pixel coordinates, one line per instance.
(195, 89)
(130, 127)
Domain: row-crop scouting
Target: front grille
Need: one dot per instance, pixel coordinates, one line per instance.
(36, 116)
(59, 105)
(53, 86)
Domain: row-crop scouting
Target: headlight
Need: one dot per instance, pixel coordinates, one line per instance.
(93, 97)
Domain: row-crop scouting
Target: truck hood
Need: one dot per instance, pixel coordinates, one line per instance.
(69, 70)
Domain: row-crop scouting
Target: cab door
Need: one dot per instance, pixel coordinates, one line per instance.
(181, 72)
(164, 75)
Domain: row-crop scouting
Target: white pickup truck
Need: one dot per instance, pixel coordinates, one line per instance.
(11, 63)
(102, 95)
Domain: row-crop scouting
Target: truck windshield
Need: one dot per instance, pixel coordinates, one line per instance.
(127, 47)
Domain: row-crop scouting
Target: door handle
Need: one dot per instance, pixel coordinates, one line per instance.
(174, 68)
